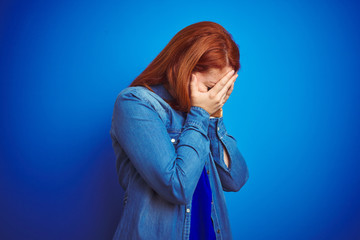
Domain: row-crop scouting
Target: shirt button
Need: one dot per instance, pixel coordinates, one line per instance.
(208, 172)
(218, 231)
(218, 128)
(188, 210)
(173, 140)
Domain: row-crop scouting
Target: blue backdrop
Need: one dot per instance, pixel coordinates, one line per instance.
(294, 112)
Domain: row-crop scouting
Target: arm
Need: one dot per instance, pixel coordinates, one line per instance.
(171, 172)
(235, 175)
(219, 114)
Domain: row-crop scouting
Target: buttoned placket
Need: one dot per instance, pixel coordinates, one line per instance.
(187, 223)
(214, 217)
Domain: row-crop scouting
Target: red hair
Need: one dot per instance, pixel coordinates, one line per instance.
(196, 48)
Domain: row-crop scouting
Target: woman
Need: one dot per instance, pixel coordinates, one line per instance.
(174, 157)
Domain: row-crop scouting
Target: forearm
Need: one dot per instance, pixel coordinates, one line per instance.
(231, 166)
(219, 114)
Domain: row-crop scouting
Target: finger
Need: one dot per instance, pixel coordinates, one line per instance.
(193, 84)
(231, 88)
(228, 93)
(202, 87)
(221, 84)
(228, 85)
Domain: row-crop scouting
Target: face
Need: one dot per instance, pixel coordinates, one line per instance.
(208, 79)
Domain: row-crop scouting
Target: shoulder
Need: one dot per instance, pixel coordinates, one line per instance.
(139, 100)
(133, 100)
(140, 94)
(137, 92)
(133, 95)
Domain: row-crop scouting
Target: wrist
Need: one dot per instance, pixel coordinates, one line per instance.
(218, 113)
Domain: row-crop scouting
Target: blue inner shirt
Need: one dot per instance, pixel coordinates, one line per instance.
(201, 223)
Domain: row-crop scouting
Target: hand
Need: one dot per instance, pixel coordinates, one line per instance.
(219, 113)
(212, 100)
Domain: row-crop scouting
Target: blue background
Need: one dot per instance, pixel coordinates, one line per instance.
(294, 112)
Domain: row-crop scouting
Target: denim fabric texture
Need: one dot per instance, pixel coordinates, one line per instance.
(160, 155)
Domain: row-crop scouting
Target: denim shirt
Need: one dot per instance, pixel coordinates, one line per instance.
(160, 155)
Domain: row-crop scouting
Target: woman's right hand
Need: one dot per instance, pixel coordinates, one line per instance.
(216, 97)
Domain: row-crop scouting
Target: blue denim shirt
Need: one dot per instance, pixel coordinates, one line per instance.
(160, 155)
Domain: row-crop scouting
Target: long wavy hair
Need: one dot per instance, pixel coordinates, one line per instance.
(196, 48)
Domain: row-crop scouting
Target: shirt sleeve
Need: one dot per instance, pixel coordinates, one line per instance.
(170, 170)
(235, 176)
